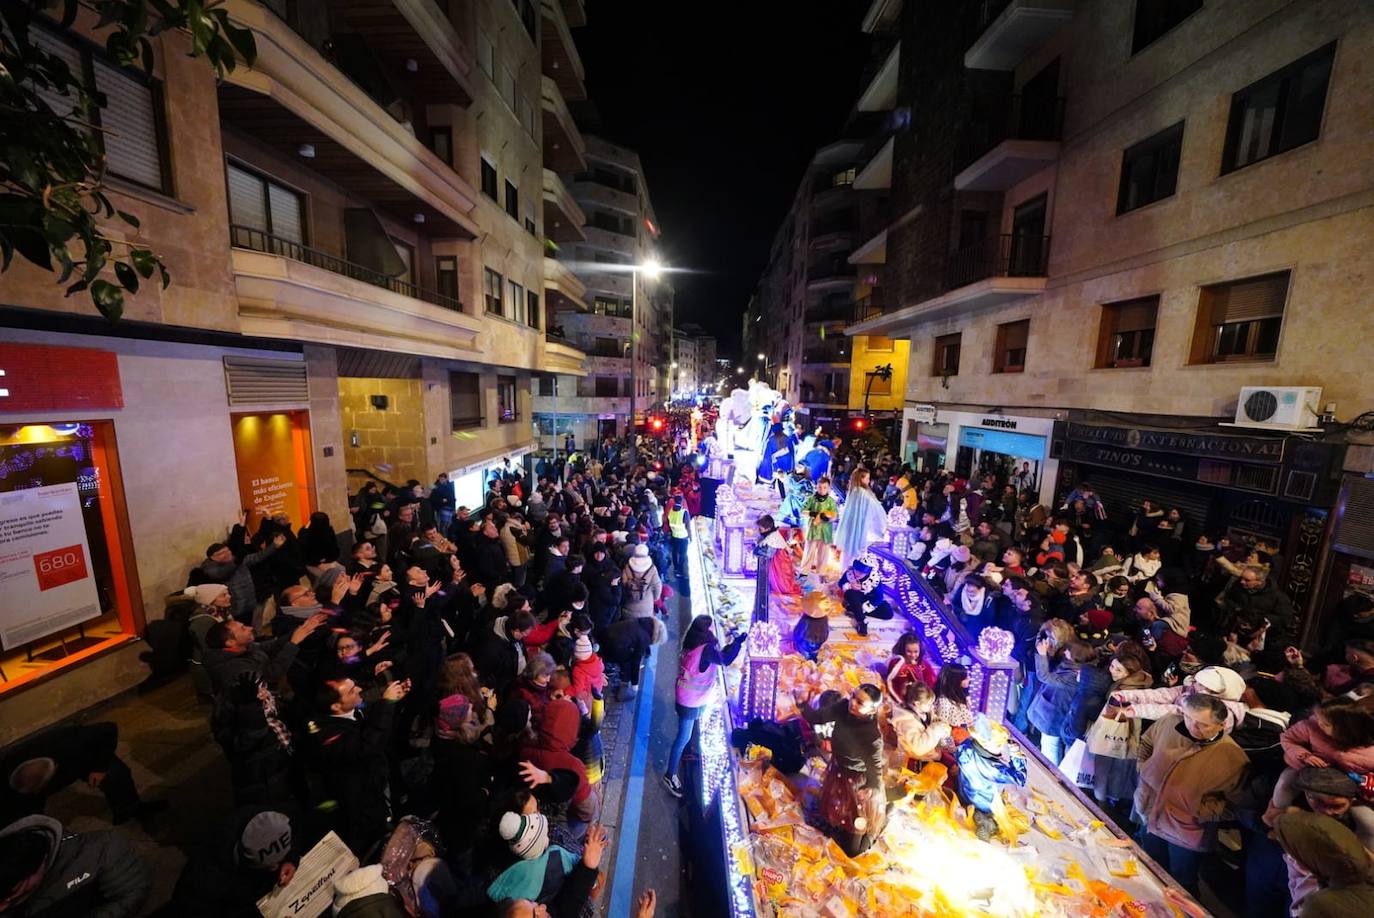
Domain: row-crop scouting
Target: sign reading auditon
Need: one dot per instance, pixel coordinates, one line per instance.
(45, 564)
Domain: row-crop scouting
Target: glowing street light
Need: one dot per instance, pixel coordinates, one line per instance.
(761, 357)
(739, 369)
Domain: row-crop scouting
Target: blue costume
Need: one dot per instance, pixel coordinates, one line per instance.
(777, 457)
(982, 775)
(817, 459)
(796, 490)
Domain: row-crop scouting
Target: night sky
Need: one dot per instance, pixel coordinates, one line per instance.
(726, 102)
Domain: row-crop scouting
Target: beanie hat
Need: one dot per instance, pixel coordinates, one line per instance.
(527, 834)
(582, 650)
(1330, 781)
(1099, 619)
(206, 593)
(961, 554)
(454, 712)
(1220, 681)
(266, 840)
(641, 551)
(359, 884)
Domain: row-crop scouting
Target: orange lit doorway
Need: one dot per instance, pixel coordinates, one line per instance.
(272, 454)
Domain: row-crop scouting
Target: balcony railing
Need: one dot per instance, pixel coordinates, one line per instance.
(1024, 118)
(1016, 255)
(829, 269)
(824, 355)
(245, 237)
(868, 307)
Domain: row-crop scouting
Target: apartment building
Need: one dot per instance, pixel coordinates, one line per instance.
(693, 361)
(1106, 219)
(623, 315)
(355, 229)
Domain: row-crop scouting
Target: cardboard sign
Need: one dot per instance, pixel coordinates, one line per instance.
(45, 567)
(311, 891)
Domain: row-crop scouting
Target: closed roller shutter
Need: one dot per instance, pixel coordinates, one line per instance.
(264, 381)
(1355, 534)
(1121, 492)
(62, 105)
(129, 126)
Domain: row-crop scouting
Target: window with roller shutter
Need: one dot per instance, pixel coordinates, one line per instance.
(131, 132)
(1126, 334)
(261, 205)
(1240, 320)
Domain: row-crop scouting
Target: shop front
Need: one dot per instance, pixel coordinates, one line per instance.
(977, 445)
(470, 481)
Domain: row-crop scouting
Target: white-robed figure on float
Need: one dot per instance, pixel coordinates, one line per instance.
(862, 520)
(732, 425)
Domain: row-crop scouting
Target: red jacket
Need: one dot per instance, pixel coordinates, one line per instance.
(557, 735)
(588, 674)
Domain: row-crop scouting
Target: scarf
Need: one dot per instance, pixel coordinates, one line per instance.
(269, 713)
(972, 601)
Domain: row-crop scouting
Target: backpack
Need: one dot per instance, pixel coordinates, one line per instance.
(638, 582)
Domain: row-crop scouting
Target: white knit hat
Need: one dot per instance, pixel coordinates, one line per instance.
(1220, 681)
(528, 834)
(582, 649)
(206, 593)
(358, 884)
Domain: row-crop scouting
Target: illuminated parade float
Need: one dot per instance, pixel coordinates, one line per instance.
(1034, 847)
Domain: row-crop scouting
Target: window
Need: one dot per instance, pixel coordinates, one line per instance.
(486, 55)
(532, 309)
(465, 399)
(257, 203)
(1155, 17)
(489, 179)
(607, 386)
(526, 115)
(1011, 347)
(507, 400)
(446, 276)
(842, 178)
(946, 356)
(512, 199)
(492, 290)
(879, 344)
(132, 132)
(1149, 169)
(1240, 320)
(547, 385)
(517, 301)
(614, 223)
(1126, 336)
(1278, 113)
(528, 18)
(441, 142)
(879, 386)
(624, 387)
(507, 87)
(407, 253)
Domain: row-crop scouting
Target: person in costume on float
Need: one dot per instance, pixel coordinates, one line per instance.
(776, 574)
(817, 459)
(987, 762)
(796, 491)
(813, 626)
(862, 521)
(853, 799)
(820, 511)
(862, 593)
(779, 455)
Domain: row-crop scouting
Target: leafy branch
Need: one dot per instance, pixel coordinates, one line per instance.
(52, 153)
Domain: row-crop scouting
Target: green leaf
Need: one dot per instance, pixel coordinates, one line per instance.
(143, 261)
(127, 278)
(128, 218)
(29, 242)
(108, 298)
(166, 278)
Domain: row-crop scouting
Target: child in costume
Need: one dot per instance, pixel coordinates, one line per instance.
(820, 511)
(862, 593)
(863, 521)
(813, 626)
(987, 762)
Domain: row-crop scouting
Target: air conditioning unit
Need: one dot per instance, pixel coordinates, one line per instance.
(1279, 407)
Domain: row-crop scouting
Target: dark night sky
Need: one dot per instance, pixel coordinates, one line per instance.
(726, 101)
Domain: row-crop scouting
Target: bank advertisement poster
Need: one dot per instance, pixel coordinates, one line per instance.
(46, 581)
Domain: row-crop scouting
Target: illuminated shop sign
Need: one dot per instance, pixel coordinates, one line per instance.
(1209, 446)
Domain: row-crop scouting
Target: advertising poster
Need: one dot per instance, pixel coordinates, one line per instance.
(45, 564)
(311, 890)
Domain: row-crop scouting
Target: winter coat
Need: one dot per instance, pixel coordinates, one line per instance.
(1050, 708)
(640, 590)
(1157, 703)
(1337, 859)
(511, 534)
(917, 737)
(603, 597)
(378, 905)
(629, 639)
(269, 659)
(558, 731)
(92, 875)
(1184, 784)
(498, 659)
(238, 577)
(1094, 684)
(1305, 737)
(1174, 609)
(489, 559)
(351, 756)
(982, 776)
(76, 751)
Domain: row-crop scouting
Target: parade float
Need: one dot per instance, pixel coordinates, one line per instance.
(1054, 853)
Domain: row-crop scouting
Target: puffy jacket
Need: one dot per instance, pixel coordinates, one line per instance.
(1184, 784)
(1090, 694)
(511, 533)
(915, 736)
(982, 776)
(1306, 738)
(1050, 708)
(1156, 703)
(641, 591)
(1174, 609)
(558, 730)
(93, 875)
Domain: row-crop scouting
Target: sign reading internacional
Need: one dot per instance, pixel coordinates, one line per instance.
(45, 564)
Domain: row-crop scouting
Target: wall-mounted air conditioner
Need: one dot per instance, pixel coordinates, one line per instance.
(1279, 407)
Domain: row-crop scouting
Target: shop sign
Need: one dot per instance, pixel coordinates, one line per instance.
(1209, 446)
(45, 566)
(998, 423)
(1184, 467)
(41, 377)
(923, 414)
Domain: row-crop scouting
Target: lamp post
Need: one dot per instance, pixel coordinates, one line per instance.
(650, 269)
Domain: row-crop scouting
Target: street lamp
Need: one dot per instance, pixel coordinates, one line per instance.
(650, 269)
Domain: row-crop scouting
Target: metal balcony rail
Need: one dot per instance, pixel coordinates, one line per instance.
(825, 269)
(1009, 255)
(245, 237)
(1020, 118)
(868, 307)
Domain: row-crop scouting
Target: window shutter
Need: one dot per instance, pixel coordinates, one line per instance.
(246, 204)
(1016, 335)
(1246, 300)
(263, 381)
(1136, 315)
(62, 105)
(287, 219)
(129, 123)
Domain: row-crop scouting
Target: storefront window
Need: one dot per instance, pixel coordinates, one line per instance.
(272, 455)
(64, 577)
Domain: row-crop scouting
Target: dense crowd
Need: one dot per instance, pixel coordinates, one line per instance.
(432, 690)
(1159, 668)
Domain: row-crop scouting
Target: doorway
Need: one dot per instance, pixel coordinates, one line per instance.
(272, 456)
(1028, 238)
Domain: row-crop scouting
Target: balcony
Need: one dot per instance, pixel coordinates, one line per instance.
(560, 357)
(880, 95)
(1011, 30)
(560, 58)
(403, 31)
(575, 12)
(868, 307)
(871, 252)
(882, 16)
(563, 219)
(830, 273)
(594, 193)
(1007, 149)
(564, 149)
(288, 290)
(292, 99)
(1005, 256)
(562, 289)
(877, 172)
(825, 356)
(610, 240)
